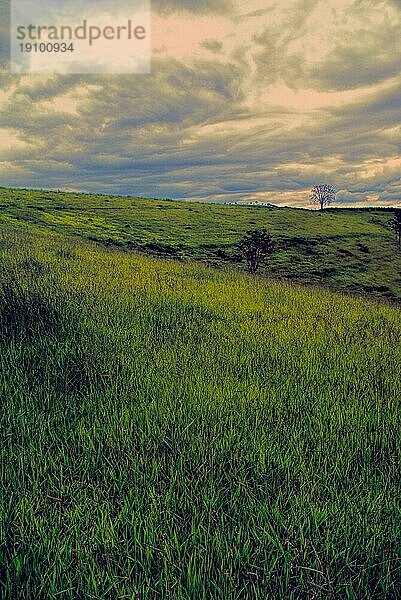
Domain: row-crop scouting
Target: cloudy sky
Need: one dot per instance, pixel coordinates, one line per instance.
(246, 100)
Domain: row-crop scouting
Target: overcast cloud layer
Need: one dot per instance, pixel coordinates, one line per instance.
(255, 100)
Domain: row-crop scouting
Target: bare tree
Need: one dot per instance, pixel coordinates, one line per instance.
(396, 224)
(322, 195)
(255, 247)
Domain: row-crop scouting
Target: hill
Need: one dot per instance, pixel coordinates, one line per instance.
(174, 431)
(349, 250)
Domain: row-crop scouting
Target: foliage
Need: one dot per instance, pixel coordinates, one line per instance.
(396, 224)
(256, 246)
(322, 195)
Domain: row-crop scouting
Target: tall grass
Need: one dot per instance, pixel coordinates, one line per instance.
(169, 431)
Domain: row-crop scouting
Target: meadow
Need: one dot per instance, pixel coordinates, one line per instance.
(343, 249)
(173, 430)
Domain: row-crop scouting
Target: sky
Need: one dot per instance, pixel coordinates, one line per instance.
(255, 100)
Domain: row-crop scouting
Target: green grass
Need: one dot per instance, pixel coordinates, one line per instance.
(175, 431)
(348, 250)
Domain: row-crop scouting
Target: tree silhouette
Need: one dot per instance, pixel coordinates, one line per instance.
(322, 195)
(396, 224)
(255, 247)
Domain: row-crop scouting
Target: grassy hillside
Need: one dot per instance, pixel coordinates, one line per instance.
(351, 250)
(174, 431)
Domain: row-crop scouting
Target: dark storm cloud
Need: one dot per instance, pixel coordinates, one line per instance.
(210, 126)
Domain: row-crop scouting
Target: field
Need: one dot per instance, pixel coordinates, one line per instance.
(172, 430)
(350, 250)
